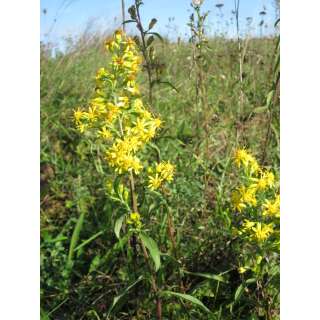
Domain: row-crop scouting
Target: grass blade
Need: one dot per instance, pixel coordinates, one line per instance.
(124, 292)
(188, 297)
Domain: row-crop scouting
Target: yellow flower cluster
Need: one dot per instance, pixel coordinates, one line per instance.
(243, 197)
(245, 159)
(256, 198)
(259, 180)
(164, 171)
(135, 220)
(272, 208)
(259, 231)
(116, 115)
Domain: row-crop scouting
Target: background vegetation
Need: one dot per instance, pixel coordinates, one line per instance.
(84, 265)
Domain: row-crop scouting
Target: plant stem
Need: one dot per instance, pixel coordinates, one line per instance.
(123, 15)
(241, 98)
(144, 250)
(144, 53)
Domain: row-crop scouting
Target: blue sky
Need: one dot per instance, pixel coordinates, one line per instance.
(73, 16)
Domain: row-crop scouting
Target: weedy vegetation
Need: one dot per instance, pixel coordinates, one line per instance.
(160, 175)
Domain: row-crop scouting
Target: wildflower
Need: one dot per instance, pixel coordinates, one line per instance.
(130, 45)
(105, 133)
(262, 231)
(237, 201)
(248, 195)
(155, 182)
(166, 170)
(242, 269)
(247, 226)
(78, 115)
(135, 220)
(242, 197)
(118, 35)
(111, 45)
(272, 208)
(242, 157)
(101, 74)
(117, 113)
(123, 102)
(265, 181)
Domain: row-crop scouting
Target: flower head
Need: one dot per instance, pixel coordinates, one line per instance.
(135, 220)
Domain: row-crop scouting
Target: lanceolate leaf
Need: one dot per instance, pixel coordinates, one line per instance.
(188, 297)
(118, 225)
(208, 276)
(75, 239)
(153, 249)
(238, 293)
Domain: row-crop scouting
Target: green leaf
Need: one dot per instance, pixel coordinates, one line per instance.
(129, 21)
(238, 293)
(157, 35)
(251, 280)
(269, 98)
(207, 275)
(74, 240)
(118, 225)
(152, 23)
(116, 184)
(124, 292)
(150, 40)
(168, 83)
(188, 297)
(84, 243)
(153, 249)
(155, 147)
(260, 109)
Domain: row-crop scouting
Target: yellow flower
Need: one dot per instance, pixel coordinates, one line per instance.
(242, 197)
(134, 219)
(123, 102)
(242, 157)
(111, 112)
(262, 231)
(249, 195)
(99, 105)
(237, 201)
(247, 225)
(118, 35)
(155, 182)
(272, 208)
(105, 133)
(115, 109)
(242, 269)
(111, 45)
(78, 115)
(166, 170)
(157, 123)
(130, 44)
(101, 73)
(265, 181)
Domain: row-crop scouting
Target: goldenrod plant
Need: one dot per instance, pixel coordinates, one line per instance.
(256, 225)
(121, 124)
(139, 219)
